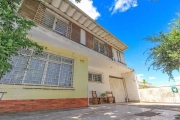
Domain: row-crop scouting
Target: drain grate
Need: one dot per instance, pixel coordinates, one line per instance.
(147, 114)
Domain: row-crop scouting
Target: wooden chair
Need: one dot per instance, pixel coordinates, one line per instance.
(110, 95)
(95, 99)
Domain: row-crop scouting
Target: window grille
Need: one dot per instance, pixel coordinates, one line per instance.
(96, 47)
(95, 77)
(61, 27)
(42, 69)
(52, 22)
(100, 46)
(48, 20)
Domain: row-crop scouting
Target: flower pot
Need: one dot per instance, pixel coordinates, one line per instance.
(110, 99)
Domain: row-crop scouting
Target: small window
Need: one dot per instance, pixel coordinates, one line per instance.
(52, 21)
(61, 27)
(100, 46)
(95, 77)
(48, 20)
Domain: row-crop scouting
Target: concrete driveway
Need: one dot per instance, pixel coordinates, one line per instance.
(102, 112)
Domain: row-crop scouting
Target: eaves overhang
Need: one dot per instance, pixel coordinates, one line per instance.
(77, 16)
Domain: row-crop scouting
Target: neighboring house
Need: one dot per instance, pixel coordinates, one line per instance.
(81, 57)
(147, 85)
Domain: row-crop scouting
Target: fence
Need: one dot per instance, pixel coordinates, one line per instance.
(159, 94)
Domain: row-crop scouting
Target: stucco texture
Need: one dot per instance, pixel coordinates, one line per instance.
(80, 81)
(161, 94)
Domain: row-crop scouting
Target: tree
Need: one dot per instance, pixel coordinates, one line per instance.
(144, 82)
(165, 55)
(13, 34)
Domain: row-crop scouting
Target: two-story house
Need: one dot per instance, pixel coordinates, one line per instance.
(81, 57)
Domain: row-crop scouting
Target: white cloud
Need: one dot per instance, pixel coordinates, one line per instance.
(139, 77)
(123, 5)
(177, 78)
(88, 8)
(152, 78)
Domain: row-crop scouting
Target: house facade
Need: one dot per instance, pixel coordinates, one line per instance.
(81, 57)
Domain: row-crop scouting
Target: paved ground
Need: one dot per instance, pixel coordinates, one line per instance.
(162, 106)
(102, 112)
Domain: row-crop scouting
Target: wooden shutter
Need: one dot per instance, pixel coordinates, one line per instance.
(28, 9)
(76, 31)
(89, 40)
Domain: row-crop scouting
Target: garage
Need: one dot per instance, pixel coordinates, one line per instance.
(117, 87)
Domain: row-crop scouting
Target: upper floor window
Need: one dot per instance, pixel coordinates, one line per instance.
(44, 69)
(94, 77)
(118, 56)
(55, 22)
(100, 46)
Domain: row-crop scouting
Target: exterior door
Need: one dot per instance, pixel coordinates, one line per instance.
(117, 88)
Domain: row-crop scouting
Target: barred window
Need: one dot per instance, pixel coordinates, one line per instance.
(42, 69)
(95, 77)
(48, 20)
(100, 46)
(52, 22)
(61, 27)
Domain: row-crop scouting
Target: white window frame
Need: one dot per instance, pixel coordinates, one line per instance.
(46, 60)
(118, 56)
(95, 73)
(99, 41)
(83, 37)
(55, 20)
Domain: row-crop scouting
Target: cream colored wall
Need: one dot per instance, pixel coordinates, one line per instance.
(160, 94)
(105, 85)
(131, 85)
(80, 81)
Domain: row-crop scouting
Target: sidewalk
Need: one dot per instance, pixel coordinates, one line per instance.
(101, 112)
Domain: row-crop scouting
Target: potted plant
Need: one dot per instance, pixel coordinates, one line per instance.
(110, 99)
(104, 97)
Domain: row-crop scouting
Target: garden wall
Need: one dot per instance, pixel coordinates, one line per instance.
(159, 94)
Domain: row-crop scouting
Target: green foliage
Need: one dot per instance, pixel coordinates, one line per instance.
(13, 33)
(144, 82)
(78, 1)
(103, 95)
(165, 55)
(177, 116)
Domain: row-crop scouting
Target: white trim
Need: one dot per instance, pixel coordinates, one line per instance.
(44, 72)
(57, 16)
(97, 73)
(83, 37)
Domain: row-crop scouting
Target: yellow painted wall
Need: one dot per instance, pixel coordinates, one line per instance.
(80, 81)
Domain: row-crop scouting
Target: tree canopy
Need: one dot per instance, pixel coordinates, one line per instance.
(165, 55)
(13, 34)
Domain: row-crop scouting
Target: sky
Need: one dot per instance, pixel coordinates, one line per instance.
(131, 21)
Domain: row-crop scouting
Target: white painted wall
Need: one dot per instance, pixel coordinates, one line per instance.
(101, 87)
(131, 85)
(96, 61)
(160, 94)
(83, 37)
